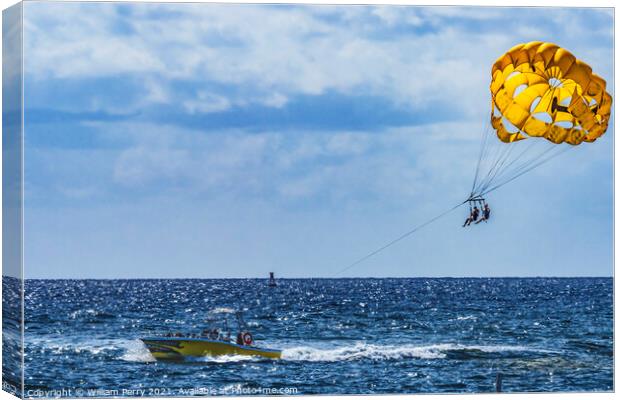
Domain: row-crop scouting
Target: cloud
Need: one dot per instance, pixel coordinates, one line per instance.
(305, 99)
(413, 56)
(207, 103)
(315, 168)
(276, 100)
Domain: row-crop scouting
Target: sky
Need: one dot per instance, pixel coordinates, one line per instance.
(227, 141)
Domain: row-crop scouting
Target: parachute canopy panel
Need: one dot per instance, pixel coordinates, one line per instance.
(539, 89)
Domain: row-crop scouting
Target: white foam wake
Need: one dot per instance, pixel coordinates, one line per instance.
(133, 350)
(232, 358)
(360, 351)
(129, 350)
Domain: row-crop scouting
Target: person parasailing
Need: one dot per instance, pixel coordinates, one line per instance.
(473, 216)
(544, 101)
(486, 214)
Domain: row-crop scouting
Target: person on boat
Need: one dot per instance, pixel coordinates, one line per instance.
(473, 216)
(240, 339)
(486, 214)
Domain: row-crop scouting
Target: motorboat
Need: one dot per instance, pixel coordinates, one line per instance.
(215, 340)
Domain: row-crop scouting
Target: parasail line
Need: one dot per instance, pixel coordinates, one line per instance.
(500, 153)
(532, 163)
(483, 147)
(529, 146)
(549, 158)
(497, 168)
(401, 237)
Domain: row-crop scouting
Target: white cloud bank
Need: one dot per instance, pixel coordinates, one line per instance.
(411, 55)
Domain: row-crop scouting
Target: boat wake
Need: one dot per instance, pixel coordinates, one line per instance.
(360, 351)
(135, 351)
(233, 358)
(120, 349)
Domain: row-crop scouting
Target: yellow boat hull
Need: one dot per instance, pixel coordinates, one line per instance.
(181, 348)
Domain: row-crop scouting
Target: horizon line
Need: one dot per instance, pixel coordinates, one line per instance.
(327, 278)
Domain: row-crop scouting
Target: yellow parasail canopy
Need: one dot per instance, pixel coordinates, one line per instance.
(539, 89)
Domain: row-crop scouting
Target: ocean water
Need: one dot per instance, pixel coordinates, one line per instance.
(338, 336)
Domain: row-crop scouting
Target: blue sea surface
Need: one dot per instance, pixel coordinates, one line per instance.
(338, 336)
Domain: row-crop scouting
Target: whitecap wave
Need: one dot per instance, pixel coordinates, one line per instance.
(222, 310)
(467, 317)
